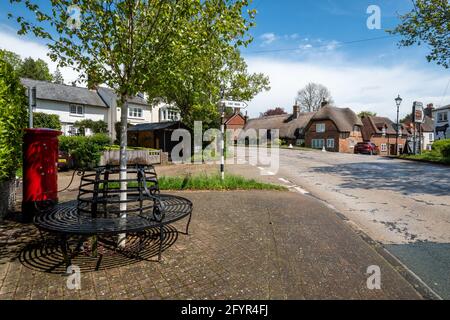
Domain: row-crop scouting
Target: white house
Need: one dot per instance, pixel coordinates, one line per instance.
(70, 103)
(73, 104)
(442, 122)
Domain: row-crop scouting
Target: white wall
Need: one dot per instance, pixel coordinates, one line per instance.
(439, 124)
(146, 114)
(62, 109)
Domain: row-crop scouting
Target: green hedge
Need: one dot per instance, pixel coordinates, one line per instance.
(44, 120)
(86, 151)
(13, 119)
(442, 147)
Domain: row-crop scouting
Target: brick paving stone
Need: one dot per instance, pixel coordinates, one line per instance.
(264, 245)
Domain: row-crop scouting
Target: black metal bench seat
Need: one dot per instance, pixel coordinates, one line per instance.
(97, 211)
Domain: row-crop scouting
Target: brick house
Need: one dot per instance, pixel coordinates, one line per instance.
(336, 129)
(235, 122)
(382, 132)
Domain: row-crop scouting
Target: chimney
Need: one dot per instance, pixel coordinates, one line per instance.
(429, 110)
(296, 111)
(324, 103)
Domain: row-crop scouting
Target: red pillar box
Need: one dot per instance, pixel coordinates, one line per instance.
(40, 170)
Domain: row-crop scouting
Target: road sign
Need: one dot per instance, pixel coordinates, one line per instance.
(234, 104)
(418, 114)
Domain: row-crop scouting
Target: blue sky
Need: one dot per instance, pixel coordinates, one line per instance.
(301, 41)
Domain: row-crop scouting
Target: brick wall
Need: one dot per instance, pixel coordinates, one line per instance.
(343, 142)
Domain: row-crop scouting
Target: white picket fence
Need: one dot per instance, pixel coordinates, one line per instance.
(112, 157)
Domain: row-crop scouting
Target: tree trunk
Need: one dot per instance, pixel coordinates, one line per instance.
(123, 164)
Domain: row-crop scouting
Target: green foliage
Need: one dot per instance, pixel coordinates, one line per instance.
(442, 147)
(58, 77)
(35, 69)
(363, 114)
(86, 151)
(440, 153)
(13, 119)
(12, 58)
(428, 23)
(99, 126)
(44, 120)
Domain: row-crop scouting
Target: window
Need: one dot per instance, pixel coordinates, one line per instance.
(356, 129)
(73, 131)
(320, 127)
(442, 117)
(135, 112)
(317, 143)
(383, 147)
(76, 109)
(330, 143)
(431, 137)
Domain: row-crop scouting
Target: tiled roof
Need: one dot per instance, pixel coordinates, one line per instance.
(59, 92)
(108, 94)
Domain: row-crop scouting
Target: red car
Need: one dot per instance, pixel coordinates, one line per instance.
(366, 148)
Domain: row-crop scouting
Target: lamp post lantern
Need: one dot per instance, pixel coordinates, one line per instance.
(398, 102)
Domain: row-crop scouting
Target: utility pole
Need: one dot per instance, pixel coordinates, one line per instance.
(31, 104)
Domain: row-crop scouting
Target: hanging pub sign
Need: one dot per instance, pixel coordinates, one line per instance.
(418, 113)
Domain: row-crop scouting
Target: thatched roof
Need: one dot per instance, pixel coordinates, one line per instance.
(344, 118)
(289, 126)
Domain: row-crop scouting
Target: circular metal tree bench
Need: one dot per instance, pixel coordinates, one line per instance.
(104, 207)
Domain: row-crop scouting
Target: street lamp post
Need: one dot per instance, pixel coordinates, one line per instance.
(398, 102)
(222, 131)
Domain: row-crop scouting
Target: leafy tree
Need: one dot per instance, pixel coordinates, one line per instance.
(312, 95)
(34, 69)
(44, 120)
(427, 23)
(367, 114)
(12, 58)
(129, 44)
(13, 119)
(274, 112)
(95, 126)
(58, 77)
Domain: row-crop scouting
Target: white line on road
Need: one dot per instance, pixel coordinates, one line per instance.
(284, 180)
(301, 190)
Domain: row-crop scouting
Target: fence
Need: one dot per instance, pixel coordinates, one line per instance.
(112, 157)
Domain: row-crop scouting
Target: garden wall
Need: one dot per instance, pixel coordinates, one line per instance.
(134, 157)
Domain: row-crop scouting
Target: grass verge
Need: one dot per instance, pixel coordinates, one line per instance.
(208, 182)
(428, 156)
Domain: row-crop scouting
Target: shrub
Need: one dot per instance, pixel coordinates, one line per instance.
(86, 151)
(44, 120)
(13, 119)
(442, 147)
(96, 126)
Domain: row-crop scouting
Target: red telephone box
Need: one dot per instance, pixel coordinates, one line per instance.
(40, 170)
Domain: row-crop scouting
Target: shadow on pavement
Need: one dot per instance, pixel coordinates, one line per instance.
(395, 176)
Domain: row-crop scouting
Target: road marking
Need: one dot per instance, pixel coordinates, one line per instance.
(301, 190)
(284, 180)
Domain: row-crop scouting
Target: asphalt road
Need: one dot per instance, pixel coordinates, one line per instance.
(403, 205)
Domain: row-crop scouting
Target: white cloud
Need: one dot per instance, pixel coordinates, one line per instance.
(27, 48)
(355, 85)
(268, 38)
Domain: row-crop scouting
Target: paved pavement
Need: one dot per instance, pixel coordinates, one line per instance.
(401, 204)
(243, 245)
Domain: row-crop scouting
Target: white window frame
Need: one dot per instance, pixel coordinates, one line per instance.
(384, 147)
(79, 110)
(317, 143)
(136, 112)
(320, 127)
(330, 145)
(442, 117)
